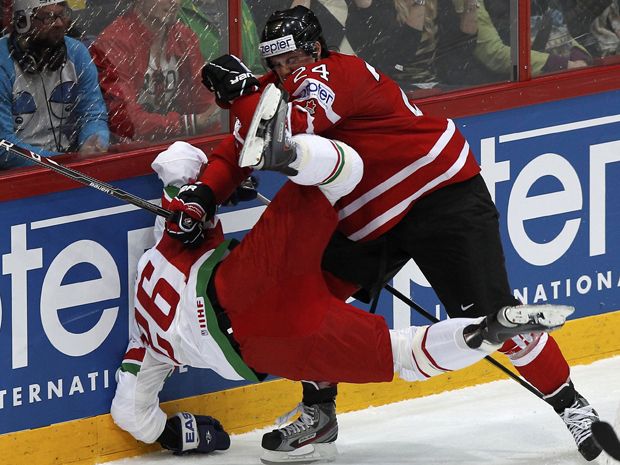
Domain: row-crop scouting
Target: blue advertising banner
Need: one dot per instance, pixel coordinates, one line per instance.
(68, 259)
(552, 170)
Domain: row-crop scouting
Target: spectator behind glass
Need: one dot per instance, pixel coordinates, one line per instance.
(605, 30)
(92, 16)
(50, 101)
(209, 21)
(149, 67)
(553, 48)
(595, 24)
(419, 43)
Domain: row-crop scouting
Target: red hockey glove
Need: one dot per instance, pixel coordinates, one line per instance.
(191, 208)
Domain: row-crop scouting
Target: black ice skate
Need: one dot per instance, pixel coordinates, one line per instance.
(520, 319)
(267, 144)
(605, 436)
(308, 439)
(579, 416)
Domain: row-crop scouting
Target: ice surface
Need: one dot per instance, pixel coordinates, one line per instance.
(495, 423)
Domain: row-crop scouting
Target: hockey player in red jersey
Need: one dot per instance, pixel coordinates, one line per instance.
(421, 196)
(255, 308)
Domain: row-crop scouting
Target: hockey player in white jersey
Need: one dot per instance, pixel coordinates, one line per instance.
(263, 307)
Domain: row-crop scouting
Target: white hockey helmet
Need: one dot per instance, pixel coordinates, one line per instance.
(23, 9)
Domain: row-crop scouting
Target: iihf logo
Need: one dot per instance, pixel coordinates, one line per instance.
(202, 318)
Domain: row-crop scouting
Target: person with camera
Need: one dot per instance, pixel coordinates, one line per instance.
(50, 100)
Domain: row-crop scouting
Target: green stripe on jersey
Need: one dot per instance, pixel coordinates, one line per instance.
(132, 368)
(171, 192)
(204, 275)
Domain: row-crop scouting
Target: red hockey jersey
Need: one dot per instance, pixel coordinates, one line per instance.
(406, 154)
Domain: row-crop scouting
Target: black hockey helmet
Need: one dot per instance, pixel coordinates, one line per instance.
(292, 29)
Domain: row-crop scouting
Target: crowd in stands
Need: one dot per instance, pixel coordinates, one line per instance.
(86, 75)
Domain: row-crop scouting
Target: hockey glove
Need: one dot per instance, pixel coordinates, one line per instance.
(186, 433)
(228, 78)
(244, 193)
(191, 208)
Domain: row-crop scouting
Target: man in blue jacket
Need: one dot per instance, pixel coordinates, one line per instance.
(50, 101)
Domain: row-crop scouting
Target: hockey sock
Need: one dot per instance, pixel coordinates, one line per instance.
(318, 392)
(422, 352)
(331, 165)
(539, 360)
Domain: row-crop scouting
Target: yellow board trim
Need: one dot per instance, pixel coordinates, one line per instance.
(95, 440)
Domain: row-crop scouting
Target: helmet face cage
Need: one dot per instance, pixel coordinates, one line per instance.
(298, 23)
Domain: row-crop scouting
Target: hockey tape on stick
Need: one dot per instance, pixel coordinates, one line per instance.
(84, 179)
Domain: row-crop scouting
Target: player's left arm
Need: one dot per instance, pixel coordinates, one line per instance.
(135, 408)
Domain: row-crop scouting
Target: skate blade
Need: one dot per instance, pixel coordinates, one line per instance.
(252, 150)
(310, 453)
(547, 316)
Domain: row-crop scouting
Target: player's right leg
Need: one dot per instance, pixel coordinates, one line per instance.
(311, 437)
(473, 281)
(418, 353)
(449, 345)
(267, 142)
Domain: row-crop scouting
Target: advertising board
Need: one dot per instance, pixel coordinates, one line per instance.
(68, 259)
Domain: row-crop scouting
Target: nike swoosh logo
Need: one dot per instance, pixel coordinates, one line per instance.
(465, 307)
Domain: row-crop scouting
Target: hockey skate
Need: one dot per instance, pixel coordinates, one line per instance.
(605, 436)
(308, 439)
(510, 321)
(267, 143)
(579, 416)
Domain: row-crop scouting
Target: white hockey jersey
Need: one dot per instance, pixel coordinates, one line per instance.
(173, 314)
(175, 323)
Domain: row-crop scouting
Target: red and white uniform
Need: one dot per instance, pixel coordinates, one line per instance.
(406, 154)
(146, 100)
(282, 314)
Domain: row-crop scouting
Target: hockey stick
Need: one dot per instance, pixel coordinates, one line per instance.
(605, 436)
(489, 359)
(84, 179)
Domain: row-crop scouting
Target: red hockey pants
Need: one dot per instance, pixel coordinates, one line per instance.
(284, 318)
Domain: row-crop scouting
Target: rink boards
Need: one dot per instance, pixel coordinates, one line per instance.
(68, 261)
